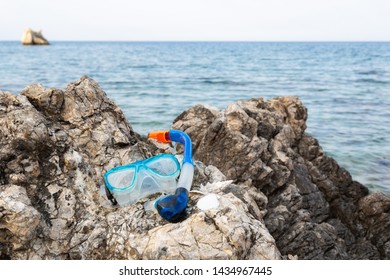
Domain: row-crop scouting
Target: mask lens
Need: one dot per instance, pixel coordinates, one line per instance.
(164, 165)
(121, 179)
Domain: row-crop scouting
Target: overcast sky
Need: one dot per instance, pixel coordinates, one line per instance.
(193, 20)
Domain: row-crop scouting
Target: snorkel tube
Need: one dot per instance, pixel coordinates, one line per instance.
(172, 207)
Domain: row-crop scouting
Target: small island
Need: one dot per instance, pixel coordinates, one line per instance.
(31, 37)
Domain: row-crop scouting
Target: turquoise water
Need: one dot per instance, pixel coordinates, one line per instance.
(345, 86)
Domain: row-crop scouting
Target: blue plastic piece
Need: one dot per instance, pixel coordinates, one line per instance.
(172, 207)
(183, 138)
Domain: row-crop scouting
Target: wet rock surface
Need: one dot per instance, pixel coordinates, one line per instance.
(280, 196)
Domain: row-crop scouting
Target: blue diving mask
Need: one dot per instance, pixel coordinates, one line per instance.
(132, 182)
(125, 185)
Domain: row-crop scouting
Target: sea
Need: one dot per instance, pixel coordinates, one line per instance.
(344, 85)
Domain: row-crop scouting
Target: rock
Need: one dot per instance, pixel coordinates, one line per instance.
(55, 145)
(226, 232)
(279, 195)
(374, 218)
(20, 218)
(31, 37)
(312, 207)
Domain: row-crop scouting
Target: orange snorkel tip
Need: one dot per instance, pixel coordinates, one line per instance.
(160, 136)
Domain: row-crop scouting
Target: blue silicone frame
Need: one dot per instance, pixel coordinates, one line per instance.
(137, 166)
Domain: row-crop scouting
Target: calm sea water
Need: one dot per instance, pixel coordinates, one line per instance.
(345, 86)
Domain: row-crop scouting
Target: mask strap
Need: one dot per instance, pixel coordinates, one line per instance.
(110, 197)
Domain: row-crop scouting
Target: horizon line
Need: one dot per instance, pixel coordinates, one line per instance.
(213, 41)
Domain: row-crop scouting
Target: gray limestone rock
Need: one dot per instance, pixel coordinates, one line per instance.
(279, 195)
(55, 145)
(313, 208)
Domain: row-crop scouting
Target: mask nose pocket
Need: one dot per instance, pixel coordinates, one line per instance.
(149, 186)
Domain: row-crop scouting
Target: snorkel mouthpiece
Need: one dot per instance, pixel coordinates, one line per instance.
(172, 207)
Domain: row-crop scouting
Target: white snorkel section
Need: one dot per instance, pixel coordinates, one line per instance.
(172, 207)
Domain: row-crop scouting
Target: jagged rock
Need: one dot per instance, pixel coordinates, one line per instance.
(313, 209)
(279, 194)
(55, 145)
(374, 218)
(227, 232)
(31, 37)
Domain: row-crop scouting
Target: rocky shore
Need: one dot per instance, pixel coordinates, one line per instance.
(280, 196)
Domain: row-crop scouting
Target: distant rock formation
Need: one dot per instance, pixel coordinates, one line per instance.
(280, 195)
(31, 37)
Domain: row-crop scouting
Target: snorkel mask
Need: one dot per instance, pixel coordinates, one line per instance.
(125, 185)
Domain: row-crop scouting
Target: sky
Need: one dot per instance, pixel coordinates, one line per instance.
(198, 20)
